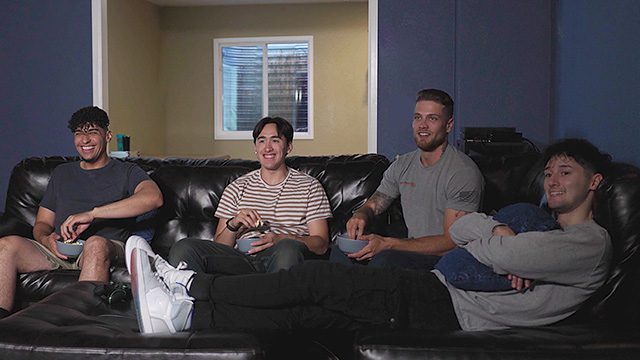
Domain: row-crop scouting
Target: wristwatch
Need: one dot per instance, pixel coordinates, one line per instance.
(231, 228)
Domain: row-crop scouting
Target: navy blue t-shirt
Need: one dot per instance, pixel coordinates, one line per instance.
(73, 190)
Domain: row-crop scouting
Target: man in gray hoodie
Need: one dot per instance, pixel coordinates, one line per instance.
(566, 265)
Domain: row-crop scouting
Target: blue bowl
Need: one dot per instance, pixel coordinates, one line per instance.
(244, 245)
(71, 250)
(349, 246)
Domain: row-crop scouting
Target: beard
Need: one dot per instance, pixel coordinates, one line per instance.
(433, 144)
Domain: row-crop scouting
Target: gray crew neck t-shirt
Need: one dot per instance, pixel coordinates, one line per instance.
(454, 182)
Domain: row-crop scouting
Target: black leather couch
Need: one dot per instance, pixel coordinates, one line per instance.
(64, 319)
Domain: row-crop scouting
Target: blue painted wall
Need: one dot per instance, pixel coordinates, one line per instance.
(504, 65)
(493, 56)
(598, 75)
(415, 51)
(45, 75)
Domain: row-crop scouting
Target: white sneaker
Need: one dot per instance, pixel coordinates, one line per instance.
(135, 242)
(170, 275)
(160, 309)
(173, 275)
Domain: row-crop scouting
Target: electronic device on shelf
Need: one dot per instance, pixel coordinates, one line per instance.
(494, 141)
(491, 134)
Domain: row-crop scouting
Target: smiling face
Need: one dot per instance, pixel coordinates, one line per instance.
(431, 125)
(271, 149)
(91, 144)
(568, 185)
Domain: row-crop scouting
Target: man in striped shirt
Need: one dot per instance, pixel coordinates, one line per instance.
(283, 211)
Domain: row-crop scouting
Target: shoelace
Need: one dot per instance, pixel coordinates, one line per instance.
(159, 278)
(177, 291)
(181, 266)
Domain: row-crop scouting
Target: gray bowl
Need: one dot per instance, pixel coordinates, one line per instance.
(349, 246)
(244, 245)
(71, 250)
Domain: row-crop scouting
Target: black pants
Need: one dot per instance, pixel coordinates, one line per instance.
(206, 256)
(389, 259)
(320, 295)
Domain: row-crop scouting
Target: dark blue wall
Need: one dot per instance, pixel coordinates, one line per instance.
(45, 75)
(598, 75)
(504, 65)
(493, 56)
(415, 51)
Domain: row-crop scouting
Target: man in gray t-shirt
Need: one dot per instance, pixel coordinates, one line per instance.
(436, 184)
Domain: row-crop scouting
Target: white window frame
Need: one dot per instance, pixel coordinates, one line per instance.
(218, 44)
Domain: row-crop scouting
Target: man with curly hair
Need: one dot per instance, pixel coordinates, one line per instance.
(95, 199)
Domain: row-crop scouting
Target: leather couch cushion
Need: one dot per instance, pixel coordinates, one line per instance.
(77, 323)
(552, 342)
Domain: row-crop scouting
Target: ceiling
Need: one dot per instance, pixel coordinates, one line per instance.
(240, 2)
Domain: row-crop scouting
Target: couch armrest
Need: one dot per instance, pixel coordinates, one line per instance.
(12, 226)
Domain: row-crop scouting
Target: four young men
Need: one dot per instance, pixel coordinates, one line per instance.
(286, 212)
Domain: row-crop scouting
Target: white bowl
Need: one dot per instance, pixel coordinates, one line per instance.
(349, 246)
(72, 249)
(244, 245)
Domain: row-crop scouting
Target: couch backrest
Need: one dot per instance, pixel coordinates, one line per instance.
(509, 179)
(28, 183)
(617, 209)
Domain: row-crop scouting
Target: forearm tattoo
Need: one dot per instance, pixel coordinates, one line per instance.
(377, 203)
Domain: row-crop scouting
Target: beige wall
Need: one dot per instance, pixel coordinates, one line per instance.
(136, 104)
(160, 73)
(340, 73)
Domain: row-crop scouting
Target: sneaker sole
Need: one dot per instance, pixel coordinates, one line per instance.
(138, 258)
(135, 242)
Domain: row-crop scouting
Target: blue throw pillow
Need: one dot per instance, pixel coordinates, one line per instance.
(465, 272)
(523, 217)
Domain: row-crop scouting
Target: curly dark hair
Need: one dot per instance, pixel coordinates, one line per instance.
(90, 115)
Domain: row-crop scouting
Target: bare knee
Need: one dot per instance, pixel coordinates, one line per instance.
(97, 248)
(11, 244)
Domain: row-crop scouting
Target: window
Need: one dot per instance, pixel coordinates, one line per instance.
(257, 77)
